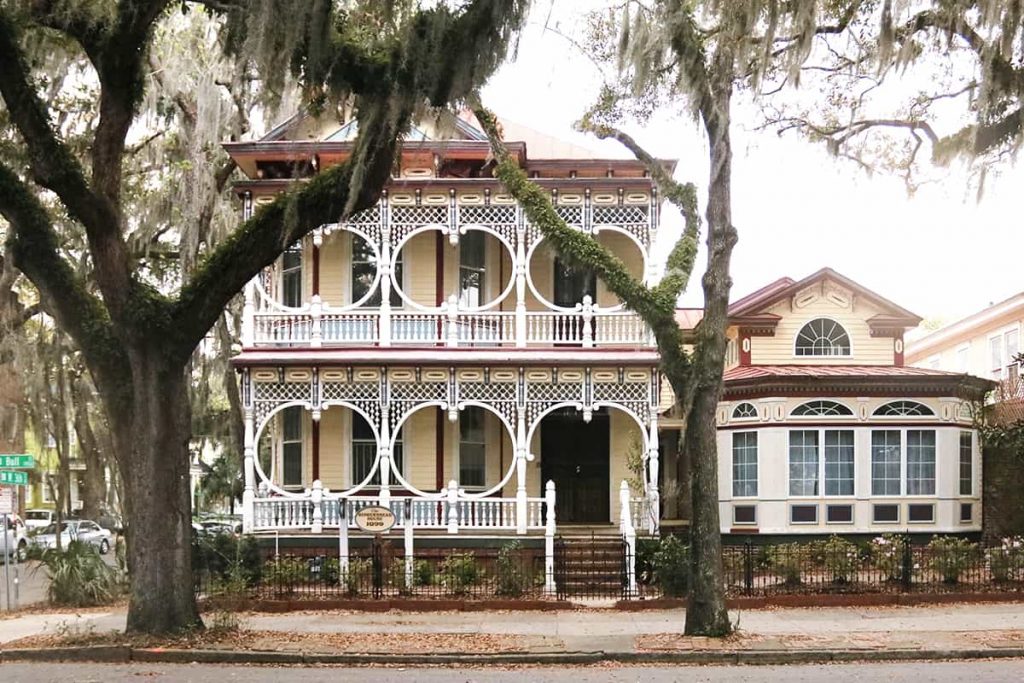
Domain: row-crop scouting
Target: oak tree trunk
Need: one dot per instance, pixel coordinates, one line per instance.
(152, 431)
(92, 492)
(706, 613)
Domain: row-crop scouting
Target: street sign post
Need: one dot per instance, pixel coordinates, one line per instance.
(6, 500)
(16, 462)
(14, 478)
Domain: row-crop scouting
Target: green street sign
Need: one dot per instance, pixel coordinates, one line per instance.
(14, 478)
(17, 462)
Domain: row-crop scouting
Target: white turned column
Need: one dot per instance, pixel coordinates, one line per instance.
(452, 496)
(653, 495)
(342, 540)
(249, 315)
(520, 271)
(521, 448)
(453, 320)
(549, 539)
(624, 509)
(409, 557)
(384, 448)
(249, 494)
(384, 330)
(317, 496)
(316, 333)
(588, 321)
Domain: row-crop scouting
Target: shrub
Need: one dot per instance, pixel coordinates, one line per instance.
(787, 560)
(950, 556)
(459, 571)
(285, 573)
(217, 554)
(645, 549)
(511, 578)
(360, 570)
(841, 559)
(1006, 560)
(671, 563)
(887, 555)
(79, 577)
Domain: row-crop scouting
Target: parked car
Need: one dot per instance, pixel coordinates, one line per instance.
(37, 519)
(83, 530)
(17, 539)
(216, 526)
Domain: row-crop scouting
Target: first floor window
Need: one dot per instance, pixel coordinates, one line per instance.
(364, 452)
(744, 464)
(803, 462)
(966, 463)
(291, 446)
(920, 462)
(885, 462)
(472, 447)
(839, 454)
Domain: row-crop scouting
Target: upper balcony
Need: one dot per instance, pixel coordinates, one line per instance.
(456, 266)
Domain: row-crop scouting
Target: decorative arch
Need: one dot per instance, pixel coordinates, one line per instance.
(258, 468)
(744, 411)
(822, 337)
(539, 417)
(821, 408)
(903, 409)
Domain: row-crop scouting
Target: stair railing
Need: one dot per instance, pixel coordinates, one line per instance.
(628, 532)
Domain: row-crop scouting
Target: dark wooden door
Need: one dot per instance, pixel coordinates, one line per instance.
(574, 455)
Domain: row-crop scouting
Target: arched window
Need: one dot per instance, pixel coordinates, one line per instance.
(904, 408)
(822, 337)
(744, 411)
(821, 409)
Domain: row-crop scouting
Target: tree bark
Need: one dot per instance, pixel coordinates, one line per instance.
(706, 613)
(152, 434)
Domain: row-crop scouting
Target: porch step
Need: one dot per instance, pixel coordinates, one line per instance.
(589, 567)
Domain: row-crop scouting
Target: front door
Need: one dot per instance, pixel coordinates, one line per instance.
(574, 455)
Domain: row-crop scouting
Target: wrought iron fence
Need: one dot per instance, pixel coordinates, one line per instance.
(382, 571)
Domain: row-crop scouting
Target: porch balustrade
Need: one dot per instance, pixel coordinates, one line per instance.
(588, 326)
(423, 513)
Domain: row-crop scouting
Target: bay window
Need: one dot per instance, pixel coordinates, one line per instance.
(803, 462)
(744, 464)
(920, 462)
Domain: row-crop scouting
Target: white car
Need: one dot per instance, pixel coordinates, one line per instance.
(37, 519)
(83, 530)
(17, 539)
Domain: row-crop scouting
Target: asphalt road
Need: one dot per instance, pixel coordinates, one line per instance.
(989, 671)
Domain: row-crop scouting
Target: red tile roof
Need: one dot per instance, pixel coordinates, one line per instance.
(759, 371)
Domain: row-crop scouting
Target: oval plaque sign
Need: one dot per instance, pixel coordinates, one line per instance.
(375, 519)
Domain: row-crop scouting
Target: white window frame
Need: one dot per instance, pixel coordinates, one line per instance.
(481, 271)
(821, 464)
(969, 433)
(904, 461)
(1000, 336)
(757, 468)
(796, 337)
(814, 417)
(285, 272)
(929, 416)
(301, 441)
(733, 416)
(965, 365)
(899, 462)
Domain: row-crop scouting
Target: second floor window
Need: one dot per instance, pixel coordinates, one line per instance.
(364, 272)
(472, 260)
(822, 337)
(572, 284)
(291, 277)
(291, 446)
(1003, 348)
(472, 447)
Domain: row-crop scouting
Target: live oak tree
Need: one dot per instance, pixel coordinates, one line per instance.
(912, 86)
(689, 57)
(387, 61)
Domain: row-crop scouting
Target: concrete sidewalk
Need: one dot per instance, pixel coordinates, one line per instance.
(967, 628)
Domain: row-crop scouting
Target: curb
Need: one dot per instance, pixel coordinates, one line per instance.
(124, 654)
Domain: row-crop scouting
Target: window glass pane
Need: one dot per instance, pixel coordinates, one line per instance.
(995, 346)
(744, 464)
(472, 447)
(822, 337)
(572, 284)
(291, 447)
(839, 462)
(885, 463)
(966, 464)
(920, 462)
(803, 463)
(1012, 345)
(291, 277)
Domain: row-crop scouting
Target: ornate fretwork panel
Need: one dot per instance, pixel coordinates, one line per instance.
(269, 395)
(502, 218)
(406, 218)
(635, 219)
(368, 222)
(359, 388)
(410, 389)
(495, 388)
(627, 388)
(545, 389)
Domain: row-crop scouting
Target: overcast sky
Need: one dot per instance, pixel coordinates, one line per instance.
(939, 253)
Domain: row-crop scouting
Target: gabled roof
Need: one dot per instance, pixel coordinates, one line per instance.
(783, 288)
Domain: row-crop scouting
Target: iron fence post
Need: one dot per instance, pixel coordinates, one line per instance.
(748, 568)
(908, 563)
